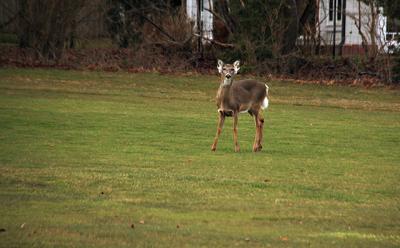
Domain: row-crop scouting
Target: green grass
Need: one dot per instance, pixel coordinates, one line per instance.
(84, 155)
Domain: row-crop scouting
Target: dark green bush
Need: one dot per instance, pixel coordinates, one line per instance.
(8, 38)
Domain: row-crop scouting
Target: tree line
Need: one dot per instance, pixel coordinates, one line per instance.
(259, 32)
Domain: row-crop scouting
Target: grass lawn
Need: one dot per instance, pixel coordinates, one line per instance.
(93, 159)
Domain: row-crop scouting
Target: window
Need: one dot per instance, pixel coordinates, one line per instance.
(338, 4)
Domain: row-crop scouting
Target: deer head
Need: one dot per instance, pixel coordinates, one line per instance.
(228, 71)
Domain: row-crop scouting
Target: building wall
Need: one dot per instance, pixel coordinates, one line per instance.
(352, 17)
(206, 16)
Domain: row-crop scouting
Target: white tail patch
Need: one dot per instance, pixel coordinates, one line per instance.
(266, 101)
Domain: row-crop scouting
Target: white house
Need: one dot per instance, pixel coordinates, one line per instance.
(349, 17)
(206, 17)
(346, 19)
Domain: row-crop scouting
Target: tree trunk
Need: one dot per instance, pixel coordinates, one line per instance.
(45, 24)
(292, 27)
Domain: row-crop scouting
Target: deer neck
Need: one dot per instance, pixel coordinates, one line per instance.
(224, 97)
(224, 88)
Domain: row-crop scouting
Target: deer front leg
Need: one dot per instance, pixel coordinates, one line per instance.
(235, 133)
(219, 130)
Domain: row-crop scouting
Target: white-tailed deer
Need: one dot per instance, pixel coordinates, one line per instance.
(241, 96)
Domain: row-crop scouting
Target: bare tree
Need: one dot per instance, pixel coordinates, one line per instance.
(44, 25)
(366, 20)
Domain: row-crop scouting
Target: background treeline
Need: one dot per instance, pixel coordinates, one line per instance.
(156, 34)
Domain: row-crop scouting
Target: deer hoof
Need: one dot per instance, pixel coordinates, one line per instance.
(213, 148)
(257, 148)
(237, 149)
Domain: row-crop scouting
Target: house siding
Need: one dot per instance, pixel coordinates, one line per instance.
(352, 36)
(206, 16)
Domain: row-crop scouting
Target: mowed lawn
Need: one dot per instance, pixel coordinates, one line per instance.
(95, 159)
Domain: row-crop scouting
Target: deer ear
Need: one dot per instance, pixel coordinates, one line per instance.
(236, 65)
(220, 65)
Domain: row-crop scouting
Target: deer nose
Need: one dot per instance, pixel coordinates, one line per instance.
(228, 75)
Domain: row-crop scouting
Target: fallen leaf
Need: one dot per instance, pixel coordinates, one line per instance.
(23, 225)
(284, 238)
(141, 222)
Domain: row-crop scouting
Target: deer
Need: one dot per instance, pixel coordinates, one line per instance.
(235, 97)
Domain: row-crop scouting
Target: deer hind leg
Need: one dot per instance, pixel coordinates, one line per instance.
(235, 133)
(219, 130)
(259, 123)
(257, 136)
(261, 131)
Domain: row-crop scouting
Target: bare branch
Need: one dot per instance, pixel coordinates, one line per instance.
(215, 42)
(6, 7)
(162, 31)
(6, 23)
(220, 18)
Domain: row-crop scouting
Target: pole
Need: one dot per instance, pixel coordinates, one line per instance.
(334, 30)
(199, 28)
(343, 27)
